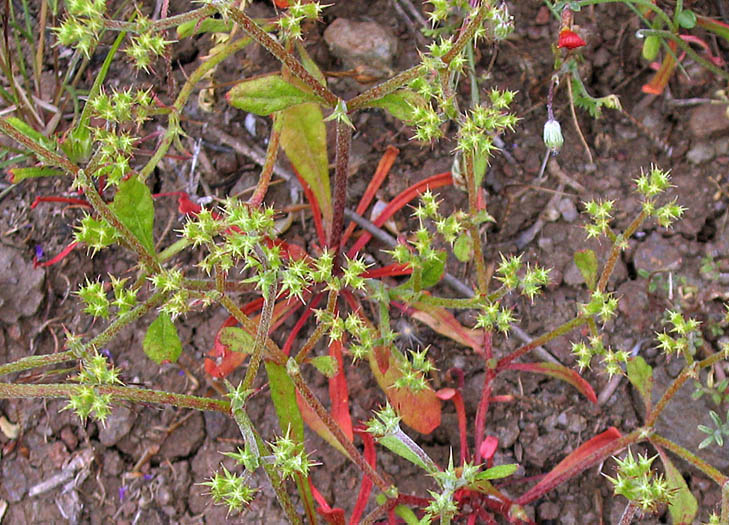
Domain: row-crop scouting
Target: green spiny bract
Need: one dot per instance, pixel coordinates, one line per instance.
(94, 296)
(414, 371)
(95, 233)
(298, 12)
(686, 338)
(289, 457)
(611, 359)
(230, 489)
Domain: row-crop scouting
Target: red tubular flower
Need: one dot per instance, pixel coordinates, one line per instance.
(569, 39)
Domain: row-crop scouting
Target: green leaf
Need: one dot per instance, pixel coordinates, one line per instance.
(651, 46)
(498, 472)
(237, 339)
(161, 342)
(586, 262)
(400, 104)
(304, 139)
(18, 174)
(134, 206)
(463, 248)
(433, 270)
(640, 375)
(209, 25)
(31, 133)
(283, 395)
(682, 506)
(687, 19)
(397, 446)
(325, 364)
(267, 94)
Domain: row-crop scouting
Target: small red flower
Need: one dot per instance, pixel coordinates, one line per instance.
(570, 39)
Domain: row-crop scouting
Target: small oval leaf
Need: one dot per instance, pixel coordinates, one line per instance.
(161, 342)
(134, 206)
(267, 94)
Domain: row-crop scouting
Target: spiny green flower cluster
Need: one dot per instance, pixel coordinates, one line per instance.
(232, 490)
(414, 371)
(146, 45)
(635, 481)
(87, 401)
(289, 457)
(122, 106)
(599, 212)
(529, 282)
(651, 185)
(476, 132)
(602, 304)
(297, 12)
(687, 335)
(94, 295)
(493, 315)
(611, 359)
(82, 26)
(364, 337)
(499, 24)
(95, 233)
(385, 423)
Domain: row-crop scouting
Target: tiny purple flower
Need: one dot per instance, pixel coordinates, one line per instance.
(39, 253)
(147, 477)
(106, 353)
(122, 492)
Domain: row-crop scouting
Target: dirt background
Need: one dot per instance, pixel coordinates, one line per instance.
(146, 465)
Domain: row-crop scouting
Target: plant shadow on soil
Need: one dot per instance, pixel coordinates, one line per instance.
(147, 463)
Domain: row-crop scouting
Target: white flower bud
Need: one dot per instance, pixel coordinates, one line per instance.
(553, 135)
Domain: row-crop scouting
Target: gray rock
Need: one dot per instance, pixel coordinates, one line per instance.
(700, 153)
(117, 425)
(707, 120)
(568, 210)
(20, 286)
(185, 439)
(362, 44)
(656, 254)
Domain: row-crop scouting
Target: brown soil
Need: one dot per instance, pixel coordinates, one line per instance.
(174, 450)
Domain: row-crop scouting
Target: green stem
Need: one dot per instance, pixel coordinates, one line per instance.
(264, 180)
(481, 272)
(164, 23)
(283, 56)
(690, 457)
(137, 395)
(126, 318)
(323, 414)
(687, 48)
(687, 373)
(320, 329)
(258, 447)
(539, 341)
(387, 87)
(617, 249)
(37, 361)
(174, 128)
(725, 503)
(43, 153)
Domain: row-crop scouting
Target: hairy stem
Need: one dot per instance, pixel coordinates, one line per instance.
(344, 142)
(690, 457)
(481, 272)
(137, 395)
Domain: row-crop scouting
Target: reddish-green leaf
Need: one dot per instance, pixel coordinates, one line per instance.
(325, 364)
(303, 138)
(443, 322)
(339, 391)
(418, 410)
(18, 174)
(640, 375)
(134, 206)
(267, 94)
(237, 339)
(586, 262)
(560, 372)
(161, 342)
(586, 455)
(682, 506)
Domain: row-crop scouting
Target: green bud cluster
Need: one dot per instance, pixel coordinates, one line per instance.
(611, 359)
(122, 106)
(95, 233)
(414, 371)
(297, 12)
(290, 458)
(385, 423)
(232, 490)
(599, 212)
(494, 316)
(364, 337)
(635, 481)
(94, 295)
(687, 335)
(83, 25)
(602, 305)
(146, 45)
(86, 400)
(529, 282)
(651, 185)
(478, 128)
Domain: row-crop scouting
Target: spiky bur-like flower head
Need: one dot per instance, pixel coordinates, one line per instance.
(289, 456)
(635, 481)
(612, 361)
(232, 490)
(414, 371)
(683, 336)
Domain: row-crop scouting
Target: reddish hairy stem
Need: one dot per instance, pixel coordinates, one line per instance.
(265, 178)
(690, 457)
(344, 142)
(483, 407)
